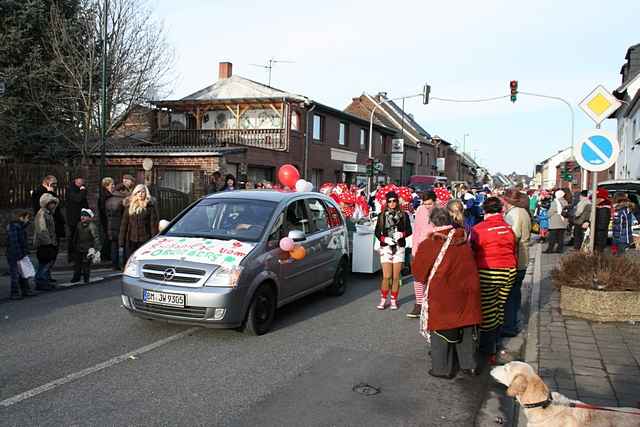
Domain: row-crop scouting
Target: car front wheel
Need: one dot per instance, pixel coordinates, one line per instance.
(261, 311)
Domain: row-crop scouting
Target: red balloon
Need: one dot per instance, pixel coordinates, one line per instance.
(288, 175)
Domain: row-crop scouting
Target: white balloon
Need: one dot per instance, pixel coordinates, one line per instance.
(300, 185)
(308, 186)
(163, 224)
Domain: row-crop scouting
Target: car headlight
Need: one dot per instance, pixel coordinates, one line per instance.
(131, 268)
(224, 277)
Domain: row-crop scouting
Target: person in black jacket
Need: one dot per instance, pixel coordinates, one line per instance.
(603, 218)
(50, 186)
(106, 192)
(392, 229)
(76, 201)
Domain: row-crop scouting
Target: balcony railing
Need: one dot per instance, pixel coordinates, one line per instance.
(269, 139)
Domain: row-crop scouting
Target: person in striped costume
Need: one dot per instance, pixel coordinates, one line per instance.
(494, 245)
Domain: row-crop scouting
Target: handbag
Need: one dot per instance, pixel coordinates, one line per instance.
(25, 268)
(424, 313)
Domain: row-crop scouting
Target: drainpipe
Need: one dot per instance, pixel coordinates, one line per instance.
(306, 142)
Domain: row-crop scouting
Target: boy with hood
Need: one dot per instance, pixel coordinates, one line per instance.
(17, 248)
(45, 240)
(87, 239)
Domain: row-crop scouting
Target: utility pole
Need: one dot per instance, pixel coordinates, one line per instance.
(103, 120)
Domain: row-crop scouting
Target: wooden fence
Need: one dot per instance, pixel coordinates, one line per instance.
(18, 180)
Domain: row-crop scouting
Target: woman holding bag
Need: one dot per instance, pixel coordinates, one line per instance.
(451, 309)
(17, 249)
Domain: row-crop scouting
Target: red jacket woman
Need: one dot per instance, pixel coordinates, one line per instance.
(494, 244)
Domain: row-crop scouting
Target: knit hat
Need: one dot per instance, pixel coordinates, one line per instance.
(391, 195)
(86, 212)
(602, 193)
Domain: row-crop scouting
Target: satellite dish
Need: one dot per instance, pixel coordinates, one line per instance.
(147, 164)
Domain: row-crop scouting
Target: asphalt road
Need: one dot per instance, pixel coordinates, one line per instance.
(76, 343)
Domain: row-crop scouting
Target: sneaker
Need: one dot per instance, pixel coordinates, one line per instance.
(415, 313)
(383, 304)
(394, 304)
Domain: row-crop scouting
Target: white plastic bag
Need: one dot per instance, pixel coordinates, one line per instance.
(25, 268)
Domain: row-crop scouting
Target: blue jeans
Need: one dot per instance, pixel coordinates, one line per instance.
(42, 273)
(513, 304)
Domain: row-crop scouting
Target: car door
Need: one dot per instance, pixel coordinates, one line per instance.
(320, 239)
(301, 275)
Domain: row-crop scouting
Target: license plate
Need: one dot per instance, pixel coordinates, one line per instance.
(163, 298)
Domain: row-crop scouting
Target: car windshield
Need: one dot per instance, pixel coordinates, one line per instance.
(243, 220)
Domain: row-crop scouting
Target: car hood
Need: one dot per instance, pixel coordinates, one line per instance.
(227, 253)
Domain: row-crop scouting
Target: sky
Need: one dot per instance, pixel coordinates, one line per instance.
(462, 49)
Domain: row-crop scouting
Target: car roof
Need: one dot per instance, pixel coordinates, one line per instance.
(621, 185)
(276, 196)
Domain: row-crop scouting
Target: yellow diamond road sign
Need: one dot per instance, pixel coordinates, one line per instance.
(599, 104)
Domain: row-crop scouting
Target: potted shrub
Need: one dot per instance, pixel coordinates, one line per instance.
(599, 287)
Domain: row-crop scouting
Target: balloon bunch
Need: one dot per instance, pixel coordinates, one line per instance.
(289, 177)
(404, 194)
(296, 252)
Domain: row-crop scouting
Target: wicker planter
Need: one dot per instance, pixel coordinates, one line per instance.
(600, 306)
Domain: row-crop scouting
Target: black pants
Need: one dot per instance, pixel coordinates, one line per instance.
(446, 356)
(556, 239)
(81, 267)
(578, 236)
(105, 252)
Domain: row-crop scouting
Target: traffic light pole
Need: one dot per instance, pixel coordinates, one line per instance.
(573, 120)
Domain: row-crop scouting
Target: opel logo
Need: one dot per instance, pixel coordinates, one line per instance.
(169, 274)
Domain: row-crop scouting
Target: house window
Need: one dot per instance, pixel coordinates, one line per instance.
(342, 133)
(363, 139)
(382, 144)
(318, 122)
(178, 180)
(316, 177)
(295, 120)
(191, 122)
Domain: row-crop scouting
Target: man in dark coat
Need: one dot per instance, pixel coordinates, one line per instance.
(114, 208)
(76, 201)
(50, 186)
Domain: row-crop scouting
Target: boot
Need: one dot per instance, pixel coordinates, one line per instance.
(27, 291)
(15, 293)
(415, 313)
(75, 278)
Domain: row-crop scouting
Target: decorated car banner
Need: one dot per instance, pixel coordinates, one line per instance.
(228, 253)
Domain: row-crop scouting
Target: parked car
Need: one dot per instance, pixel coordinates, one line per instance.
(219, 263)
(425, 182)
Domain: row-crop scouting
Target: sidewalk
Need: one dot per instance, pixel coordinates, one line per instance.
(598, 363)
(62, 273)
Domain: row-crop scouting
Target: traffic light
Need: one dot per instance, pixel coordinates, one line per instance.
(513, 85)
(425, 94)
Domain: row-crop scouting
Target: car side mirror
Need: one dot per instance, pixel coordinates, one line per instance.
(297, 236)
(162, 225)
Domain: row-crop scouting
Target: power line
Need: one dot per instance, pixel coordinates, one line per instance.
(495, 98)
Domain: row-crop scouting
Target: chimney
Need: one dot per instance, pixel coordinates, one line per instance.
(225, 70)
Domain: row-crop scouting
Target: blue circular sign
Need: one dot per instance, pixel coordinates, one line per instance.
(596, 151)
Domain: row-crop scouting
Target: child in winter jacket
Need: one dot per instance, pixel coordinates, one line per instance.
(17, 248)
(542, 217)
(86, 244)
(622, 225)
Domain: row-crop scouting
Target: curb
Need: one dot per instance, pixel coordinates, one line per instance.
(531, 349)
(69, 285)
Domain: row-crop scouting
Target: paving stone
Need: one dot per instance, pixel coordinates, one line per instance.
(628, 371)
(565, 383)
(569, 393)
(583, 347)
(581, 340)
(589, 363)
(624, 361)
(593, 354)
(594, 372)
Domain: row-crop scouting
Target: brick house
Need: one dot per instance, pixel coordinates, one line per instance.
(247, 129)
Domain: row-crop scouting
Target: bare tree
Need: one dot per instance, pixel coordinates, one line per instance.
(139, 63)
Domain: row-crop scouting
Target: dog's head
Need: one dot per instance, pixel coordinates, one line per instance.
(522, 382)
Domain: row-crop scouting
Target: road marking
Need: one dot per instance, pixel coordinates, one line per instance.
(93, 369)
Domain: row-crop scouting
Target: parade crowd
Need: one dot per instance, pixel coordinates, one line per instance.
(127, 218)
(470, 253)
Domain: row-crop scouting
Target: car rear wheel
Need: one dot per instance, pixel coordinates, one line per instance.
(261, 311)
(339, 285)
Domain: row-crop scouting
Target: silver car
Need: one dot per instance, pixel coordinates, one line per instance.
(219, 263)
